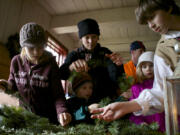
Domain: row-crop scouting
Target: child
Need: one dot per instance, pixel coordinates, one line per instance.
(145, 77)
(33, 73)
(82, 87)
(90, 57)
(162, 16)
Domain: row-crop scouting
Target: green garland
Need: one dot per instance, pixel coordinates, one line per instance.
(125, 83)
(18, 121)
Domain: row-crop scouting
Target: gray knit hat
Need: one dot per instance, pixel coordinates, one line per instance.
(32, 35)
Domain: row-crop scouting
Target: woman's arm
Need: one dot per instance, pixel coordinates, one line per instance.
(115, 110)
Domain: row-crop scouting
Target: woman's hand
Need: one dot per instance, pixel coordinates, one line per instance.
(116, 58)
(109, 113)
(115, 110)
(79, 66)
(64, 118)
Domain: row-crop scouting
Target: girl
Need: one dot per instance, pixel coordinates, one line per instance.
(162, 16)
(145, 77)
(33, 74)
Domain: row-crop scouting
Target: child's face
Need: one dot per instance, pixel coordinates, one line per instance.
(148, 69)
(90, 41)
(159, 21)
(34, 53)
(85, 90)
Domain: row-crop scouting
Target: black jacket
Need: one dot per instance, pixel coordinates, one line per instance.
(78, 108)
(103, 71)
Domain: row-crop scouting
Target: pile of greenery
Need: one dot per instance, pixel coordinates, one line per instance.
(18, 121)
(125, 82)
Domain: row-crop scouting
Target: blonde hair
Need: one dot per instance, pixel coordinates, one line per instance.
(24, 56)
(139, 74)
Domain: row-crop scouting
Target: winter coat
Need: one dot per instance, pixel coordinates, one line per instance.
(103, 71)
(158, 117)
(39, 86)
(78, 108)
(165, 49)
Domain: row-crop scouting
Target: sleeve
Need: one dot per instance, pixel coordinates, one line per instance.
(57, 90)
(105, 50)
(11, 78)
(81, 113)
(113, 70)
(64, 69)
(135, 92)
(77, 109)
(152, 101)
(120, 68)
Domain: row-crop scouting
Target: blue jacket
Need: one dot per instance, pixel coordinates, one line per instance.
(78, 108)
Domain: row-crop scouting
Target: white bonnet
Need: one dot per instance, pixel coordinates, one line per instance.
(146, 57)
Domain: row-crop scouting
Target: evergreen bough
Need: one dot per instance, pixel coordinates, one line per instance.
(18, 121)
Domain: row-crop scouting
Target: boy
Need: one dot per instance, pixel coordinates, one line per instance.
(79, 104)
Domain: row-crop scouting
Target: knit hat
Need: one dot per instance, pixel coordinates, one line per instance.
(31, 35)
(88, 26)
(146, 57)
(136, 45)
(80, 79)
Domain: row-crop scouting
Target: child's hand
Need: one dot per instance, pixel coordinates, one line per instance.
(93, 106)
(4, 84)
(127, 94)
(64, 118)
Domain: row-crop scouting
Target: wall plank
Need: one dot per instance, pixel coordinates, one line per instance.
(15, 13)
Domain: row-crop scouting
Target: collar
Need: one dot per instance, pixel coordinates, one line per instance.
(82, 48)
(172, 34)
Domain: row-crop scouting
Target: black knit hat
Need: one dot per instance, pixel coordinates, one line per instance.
(136, 45)
(88, 26)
